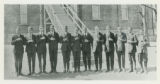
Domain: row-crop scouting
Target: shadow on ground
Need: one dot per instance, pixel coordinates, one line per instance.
(71, 75)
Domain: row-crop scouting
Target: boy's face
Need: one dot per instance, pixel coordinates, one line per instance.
(85, 30)
(107, 29)
(129, 29)
(41, 30)
(141, 32)
(30, 30)
(66, 29)
(96, 29)
(119, 29)
(18, 30)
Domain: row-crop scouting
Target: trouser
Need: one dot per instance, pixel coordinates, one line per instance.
(31, 62)
(143, 59)
(121, 59)
(132, 61)
(98, 60)
(42, 57)
(66, 59)
(87, 60)
(18, 62)
(53, 59)
(76, 56)
(110, 60)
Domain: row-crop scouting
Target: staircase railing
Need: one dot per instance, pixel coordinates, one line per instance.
(53, 17)
(73, 15)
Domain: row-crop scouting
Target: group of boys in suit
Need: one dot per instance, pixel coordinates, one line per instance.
(77, 43)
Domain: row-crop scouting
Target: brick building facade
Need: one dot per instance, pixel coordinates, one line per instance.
(91, 15)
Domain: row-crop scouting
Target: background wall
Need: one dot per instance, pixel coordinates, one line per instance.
(110, 15)
(12, 19)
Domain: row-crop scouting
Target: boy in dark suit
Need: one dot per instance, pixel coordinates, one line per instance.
(132, 43)
(142, 51)
(97, 48)
(121, 39)
(87, 43)
(31, 50)
(41, 49)
(53, 39)
(109, 48)
(18, 40)
(66, 48)
(76, 49)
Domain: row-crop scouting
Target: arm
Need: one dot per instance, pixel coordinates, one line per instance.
(124, 38)
(13, 40)
(91, 40)
(58, 38)
(24, 40)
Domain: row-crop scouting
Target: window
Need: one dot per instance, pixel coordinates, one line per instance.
(96, 12)
(124, 12)
(23, 14)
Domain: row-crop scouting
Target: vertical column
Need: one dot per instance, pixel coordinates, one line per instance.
(23, 19)
(143, 19)
(23, 14)
(42, 17)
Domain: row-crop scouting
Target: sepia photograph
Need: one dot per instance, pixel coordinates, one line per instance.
(80, 41)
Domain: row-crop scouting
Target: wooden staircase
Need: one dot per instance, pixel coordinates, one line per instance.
(64, 15)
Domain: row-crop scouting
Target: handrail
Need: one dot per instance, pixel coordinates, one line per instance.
(68, 10)
(74, 20)
(52, 15)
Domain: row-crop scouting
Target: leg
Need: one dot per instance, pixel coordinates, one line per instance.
(96, 61)
(68, 59)
(29, 62)
(33, 62)
(20, 62)
(140, 61)
(78, 58)
(100, 60)
(131, 62)
(89, 60)
(145, 59)
(74, 58)
(107, 61)
(51, 60)
(112, 60)
(40, 62)
(55, 60)
(119, 60)
(16, 63)
(64, 60)
(44, 62)
(123, 60)
(84, 60)
(134, 61)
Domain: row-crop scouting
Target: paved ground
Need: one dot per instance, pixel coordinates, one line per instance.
(9, 71)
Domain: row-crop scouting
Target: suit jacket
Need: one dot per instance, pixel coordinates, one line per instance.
(87, 42)
(41, 43)
(109, 44)
(76, 43)
(121, 39)
(132, 43)
(142, 44)
(18, 44)
(99, 43)
(31, 46)
(66, 42)
(53, 44)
